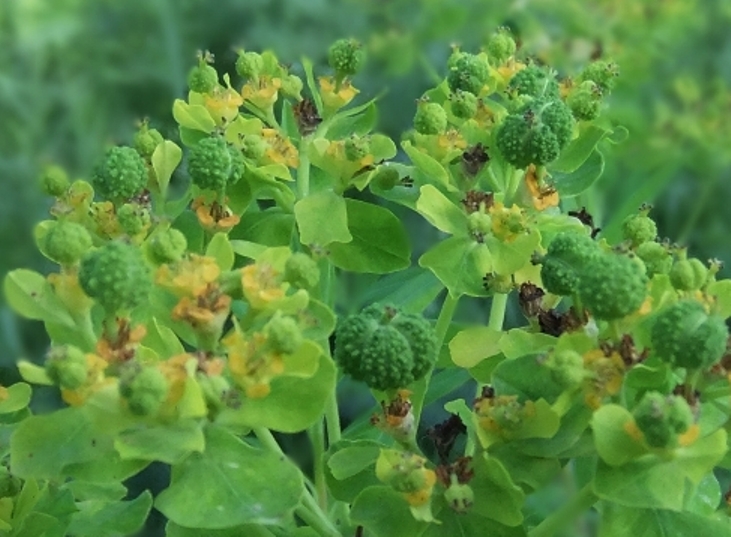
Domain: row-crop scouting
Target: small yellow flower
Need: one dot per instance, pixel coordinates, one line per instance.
(281, 150)
(542, 196)
(262, 285)
(223, 105)
(214, 216)
(206, 312)
(175, 370)
(190, 276)
(252, 365)
(422, 496)
(105, 218)
(507, 224)
(262, 93)
(607, 377)
(335, 100)
(508, 70)
(124, 345)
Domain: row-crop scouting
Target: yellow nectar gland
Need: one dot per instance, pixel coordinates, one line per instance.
(262, 285)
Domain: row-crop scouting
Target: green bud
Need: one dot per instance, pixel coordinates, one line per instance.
(146, 141)
(459, 496)
(54, 181)
(500, 47)
(688, 274)
(603, 73)
(612, 286)
(661, 418)
(67, 242)
(430, 118)
(386, 177)
(249, 64)
(346, 57)
(468, 72)
(283, 334)
(133, 218)
(120, 175)
(463, 104)
(301, 271)
(585, 101)
(203, 78)
(167, 246)
(292, 86)
(639, 228)
(357, 147)
(66, 366)
(144, 388)
(656, 257)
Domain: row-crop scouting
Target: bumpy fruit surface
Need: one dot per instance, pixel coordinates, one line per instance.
(686, 336)
(384, 348)
(144, 389)
(54, 181)
(133, 218)
(120, 175)
(346, 57)
(212, 164)
(564, 260)
(386, 177)
(116, 276)
(67, 367)
(656, 257)
(430, 118)
(249, 64)
(603, 73)
(468, 72)
(688, 274)
(585, 101)
(500, 47)
(67, 242)
(661, 418)
(534, 81)
(463, 104)
(638, 229)
(167, 246)
(146, 141)
(612, 286)
(301, 271)
(536, 133)
(202, 78)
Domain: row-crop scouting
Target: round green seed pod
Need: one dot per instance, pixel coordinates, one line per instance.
(430, 118)
(612, 286)
(202, 78)
(661, 418)
(463, 104)
(688, 274)
(585, 101)
(167, 246)
(66, 366)
(67, 242)
(249, 64)
(146, 141)
(116, 276)
(386, 177)
(346, 57)
(144, 389)
(301, 271)
(120, 175)
(292, 86)
(535, 82)
(133, 218)
(638, 229)
(684, 335)
(460, 497)
(566, 256)
(603, 73)
(468, 73)
(500, 47)
(210, 164)
(54, 181)
(656, 257)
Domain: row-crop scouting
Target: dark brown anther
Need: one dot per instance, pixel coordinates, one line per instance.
(461, 469)
(530, 298)
(555, 323)
(585, 218)
(445, 434)
(407, 181)
(626, 349)
(474, 159)
(474, 199)
(305, 112)
(143, 199)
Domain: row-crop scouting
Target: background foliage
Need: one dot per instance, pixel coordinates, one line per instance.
(76, 75)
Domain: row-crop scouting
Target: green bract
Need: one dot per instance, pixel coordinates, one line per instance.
(467, 72)
(685, 335)
(116, 276)
(346, 57)
(120, 174)
(612, 286)
(534, 81)
(67, 242)
(144, 388)
(566, 256)
(661, 418)
(213, 164)
(536, 133)
(430, 118)
(385, 348)
(67, 367)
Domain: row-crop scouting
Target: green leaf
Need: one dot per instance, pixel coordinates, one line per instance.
(396, 521)
(705, 498)
(534, 471)
(349, 468)
(627, 520)
(518, 342)
(190, 137)
(472, 523)
(168, 443)
(412, 290)
(510, 257)
(231, 484)
(379, 241)
(221, 250)
(430, 171)
(341, 126)
(541, 422)
(496, 495)
(248, 249)
(98, 518)
(460, 264)
(312, 85)
(33, 373)
(162, 340)
(85, 490)
(14, 398)
(276, 411)
(271, 227)
(473, 345)
(614, 444)
(30, 295)
(525, 377)
(722, 291)
(574, 183)
(317, 321)
(440, 212)
(322, 218)
(193, 116)
(165, 159)
(576, 153)
(656, 482)
(246, 530)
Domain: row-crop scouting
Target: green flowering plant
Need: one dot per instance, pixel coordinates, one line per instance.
(187, 331)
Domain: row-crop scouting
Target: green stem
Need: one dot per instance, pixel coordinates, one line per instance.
(566, 514)
(86, 330)
(311, 513)
(332, 419)
(317, 437)
(267, 439)
(303, 170)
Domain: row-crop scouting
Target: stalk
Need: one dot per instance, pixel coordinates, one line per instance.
(566, 514)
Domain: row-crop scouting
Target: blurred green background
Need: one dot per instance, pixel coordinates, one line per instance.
(76, 75)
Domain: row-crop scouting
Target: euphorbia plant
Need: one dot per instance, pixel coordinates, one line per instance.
(187, 331)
